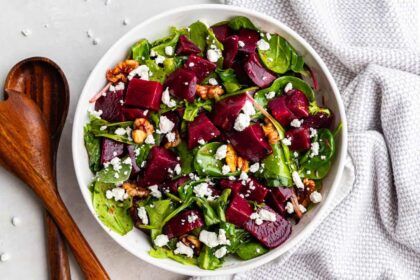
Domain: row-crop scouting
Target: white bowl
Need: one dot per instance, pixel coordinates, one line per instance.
(138, 243)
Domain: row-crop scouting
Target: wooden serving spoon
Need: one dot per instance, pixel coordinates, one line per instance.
(44, 82)
(25, 151)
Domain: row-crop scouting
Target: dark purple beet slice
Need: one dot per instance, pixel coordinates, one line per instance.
(254, 190)
(235, 186)
(257, 73)
(172, 186)
(227, 110)
(249, 38)
(130, 114)
(271, 234)
(280, 111)
(111, 106)
(132, 154)
(250, 143)
(110, 149)
(297, 103)
(300, 138)
(277, 197)
(239, 211)
(181, 84)
(230, 50)
(221, 32)
(242, 76)
(319, 120)
(159, 162)
(144, 94)
(200, 66)
(201, 128)
(179, 225)
(186, 47)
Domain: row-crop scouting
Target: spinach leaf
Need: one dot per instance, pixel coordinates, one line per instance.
(207, 259)
(198, 32)
(187, 203)
(143, 153)
(206, 164)
(297, 64)
(228, 77)
(140, 51)
(187, 158)
(278, 57)
(192, 109)
(249, 90)
(315, 173)
(236, 236)
(168, 41)
(162, 253)
(275, 171)
(157, 211)
(240, 22)
(113, 214)
(251, 250)
(93, 148)
(103, 128)
(109, 175)
(325, 140)
(210, 215)
(220, 204)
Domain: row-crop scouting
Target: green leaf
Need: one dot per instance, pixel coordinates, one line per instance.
(207, 259)
(275, 171)
(162, 253)
(141, 51)
(230, 82)
(212, 41)
(157, 211)
(241, 91)
(210, 215)
(205, 162)
(109, 175)
(325, 140)
(113, 214)
(187, 158)
(171, 41)
(317, 173)
(278, 57)
(236, 236)
(251, 250)
(93, 148)
(192, 109)
(143, 153)
(198, 33)
(240, 22)
(103, 128)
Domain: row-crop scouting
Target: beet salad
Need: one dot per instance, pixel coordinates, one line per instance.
(210, 141)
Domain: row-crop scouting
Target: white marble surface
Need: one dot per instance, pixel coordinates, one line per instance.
(58, 31)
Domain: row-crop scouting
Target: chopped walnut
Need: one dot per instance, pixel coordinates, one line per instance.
(303, 195)
(175, 143)
(271, 132)
(121, 71)
(209, 92)
(135, 191)
(234, 161)
(142, 129)
(192, 242)
(309, 184)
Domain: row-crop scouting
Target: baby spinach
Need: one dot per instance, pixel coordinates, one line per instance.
(198, 32)
(159, 46)
(230, 82)
(109, 175)
(240, 22)
(157, 211)
(162, 253)
(114, 214)
(317, 173)
(187, 158)
(326, 142)
(140, 51)
(93, 148)
(143, 153)
(192, 109)
(250, 250)
(207, 259)
(206, 164)
(276, 171)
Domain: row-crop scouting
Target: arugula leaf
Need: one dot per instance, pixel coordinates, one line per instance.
(198, 32)
(240, 22)
(206, 164)
(207, 259)
(93, 148)
(236, 236)
(103, 128)
(109, 175)
(187, 158)
(210, 215)
(251, 250)
(140, 51)
(228, 77)
(275, 171)
(162, 253)
(192, 109)
(113, 214)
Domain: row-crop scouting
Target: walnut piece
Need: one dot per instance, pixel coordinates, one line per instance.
(271, 132)
(142, 129)
(209, 92)
(234, 161)
(175, 143)
(134, 190)
(121, 71)
(192, 242)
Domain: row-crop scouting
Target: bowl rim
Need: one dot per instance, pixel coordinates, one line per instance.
(340, 158)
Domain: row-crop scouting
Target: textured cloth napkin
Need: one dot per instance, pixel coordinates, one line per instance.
(372, 49)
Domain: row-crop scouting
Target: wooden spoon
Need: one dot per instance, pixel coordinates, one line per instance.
(44, 82)
(25, 151)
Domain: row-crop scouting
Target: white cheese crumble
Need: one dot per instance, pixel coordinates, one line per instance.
(242, 122)
(287, 141)
(150, 139)
(159, 59)
(241, 44)
(201, 141)
(191, 64)
(213, 82)
(314, 149)
(315, 197)
(289, 207)
(243, 176)
(263, 215)
(323, 157)
(254, 167)
(177, 169)
(221, 252)
(213, 55)
(192, 218)
(248, 108)
(142, 214)
(212, 239)
(313, 132)
(4, 257)
(203, 190)
(263, 45)
(16, 221)
(118, 194)
(165, 125)
(295, 154)
(119, 86)
(268, 35)
(270, 95)
(296, 179)
(288, 87)
(145, 112)
(161, 240)
(167, 100)
(296, 123)
(221, 152)
(302, 208)
(169, 50)
(102, 128)
(120, 131)
(182, 249)
(154, 191)
(142, 71)
(96, 113)
(171, 136)
(225, 169)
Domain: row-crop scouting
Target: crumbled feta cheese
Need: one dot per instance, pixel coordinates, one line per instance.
(182, 249)
(161, 240)
(289, 207)
(102, 128)
(211, 239)
(159, 59)
(213, 55)
(287, 141)
(191, 64)
(242, 122)
(154, 191)
(127, 161)
(315, 197)
(120, 86)
(296, 123)
(221, 152)
(120, 131)
(167, 100)
(254, 167)
(145, 112)
(142, 71)
(150, 139)
(296, 179)
(165, 125)
(177, 169)
(241, 44)
(263, 45)
(270, 95)
(118, 194)
(16, 221)
(314, 149)
(171, 136)
(96, 113)
(4, 257)
(143, 164)
(169, 50)
(243, 176)
(248, 108)
(221, 252)
(226, 170)
(192, 218)
(268, 35)
(213, 82)
(263, 215)
(203, 190)
(302, 208)
(201, 142)
(288, 87)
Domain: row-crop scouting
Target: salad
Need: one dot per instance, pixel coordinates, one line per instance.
(210, 141)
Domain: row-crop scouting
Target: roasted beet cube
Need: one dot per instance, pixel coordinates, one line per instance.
(277, 197)
(159, 162)
(183, 223)
(238, 67)
(111, 106)
(200, 66)
(186, 47)
(221, 32)
(130, 114)
(201, 128)
(181, 84)
(257, 73)
(249, 38)
(254, 190)
(319, 120)
(172, 186)
(132, 154)
(269, 233)
(230, 50)
(144, 94)
(297, 103)
(280, 111)
(300, 138)
(239, 211)
(226, 111)
(235, 186)
(250, 143)
(110, 149)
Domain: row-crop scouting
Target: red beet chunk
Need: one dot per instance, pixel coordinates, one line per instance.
(226, 111)
(297, 103)
(319, 120)
(144, 94)
(238, 211)
(250, 143)
(271, 234)
(181, 84)
(132, 154)
(200, 66)
(249, 38)
(159, 162)
(173, 185)
(230, 50)
(179, 225)
(280, 111)
(110, 149)
(277, 197)
(257, 73)
(254, 190)
(201, 128)
(131, 114)
(235, 186)
(300, 138)
(221, 32)
(240, 73)
(186, 46)
(111, 106)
